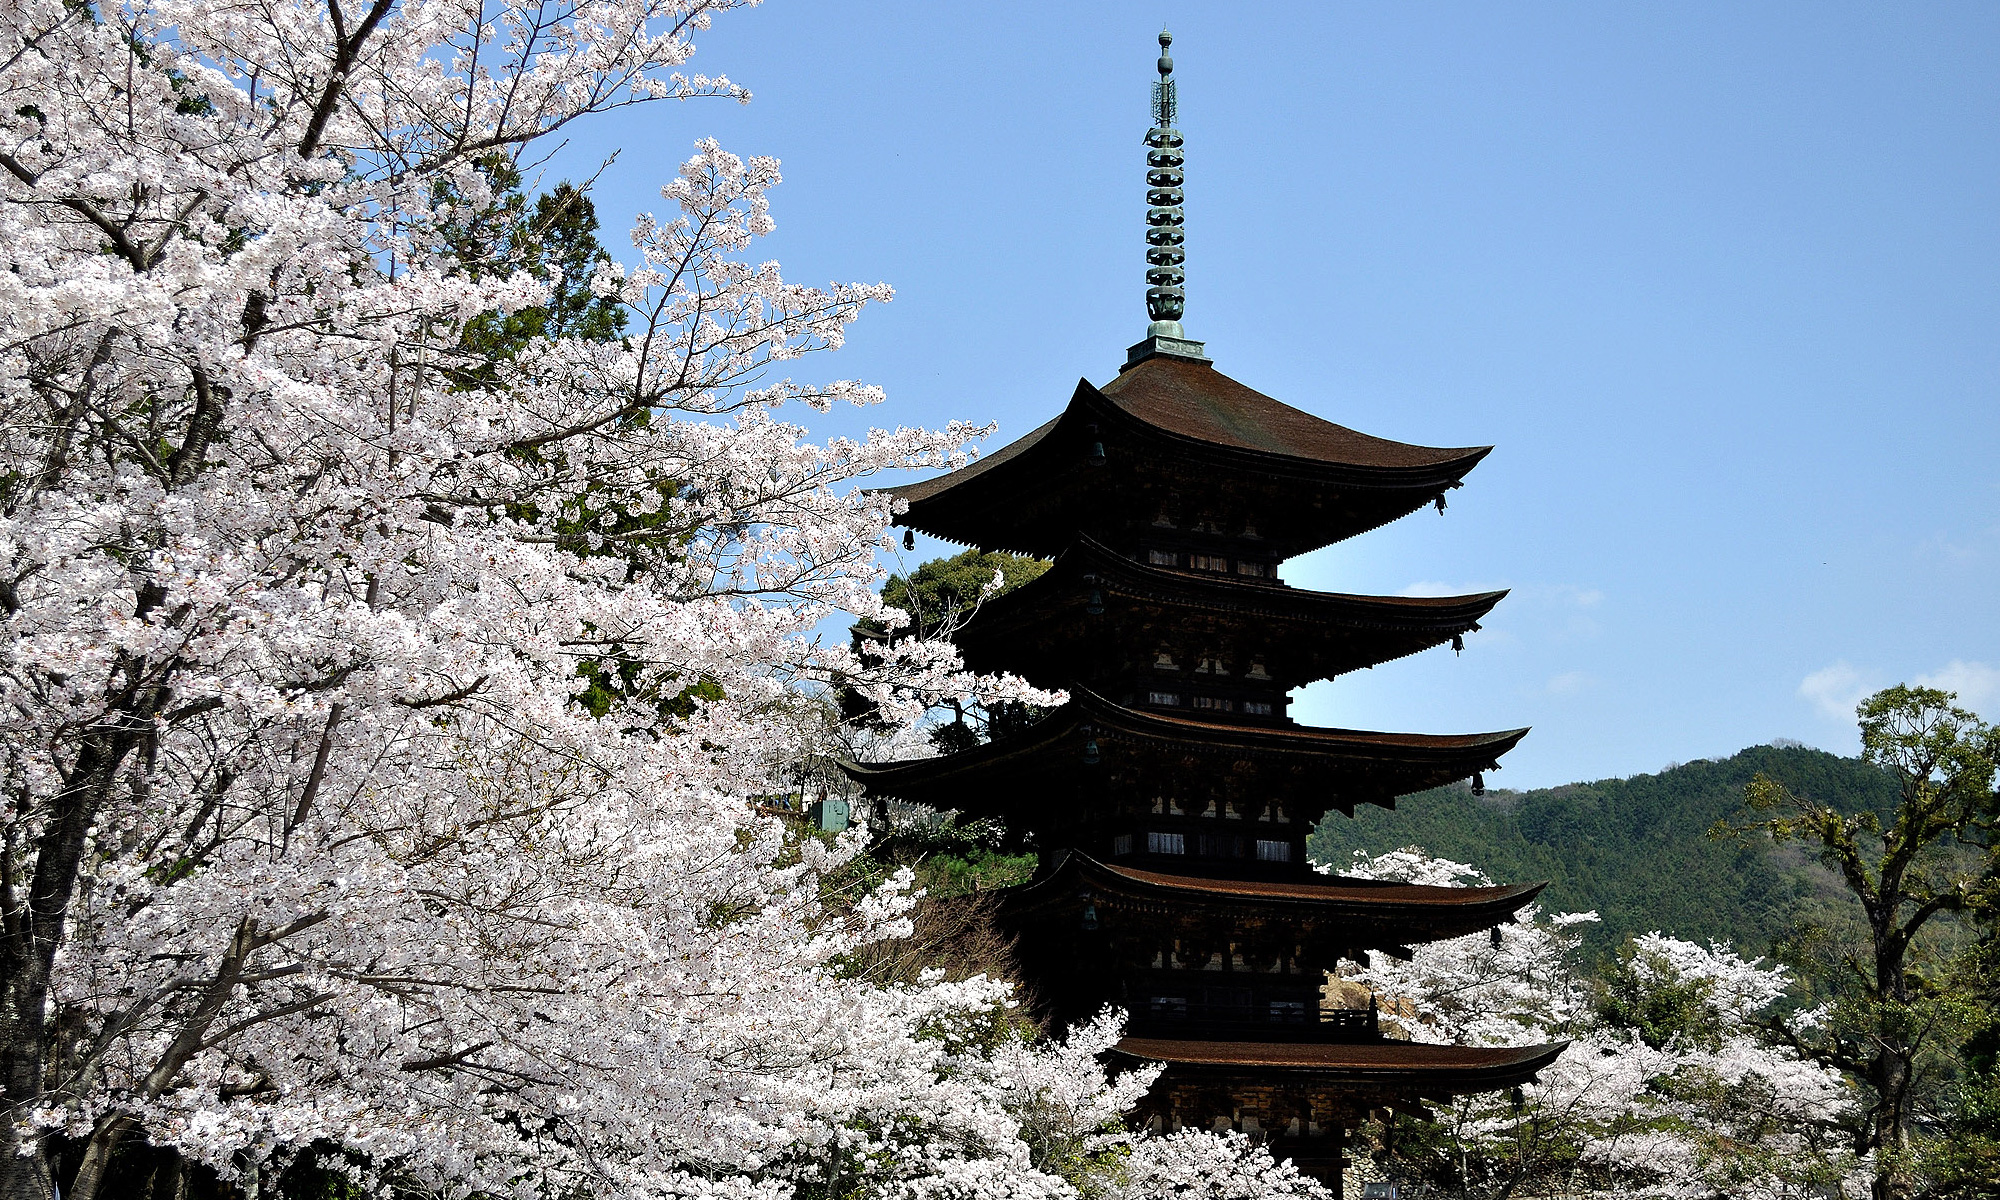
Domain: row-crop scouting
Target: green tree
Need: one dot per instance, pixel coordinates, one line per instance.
(1896, 988)
(1641, 991)
(940, 596)
(554, 240)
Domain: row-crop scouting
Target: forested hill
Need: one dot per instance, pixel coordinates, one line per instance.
(1636, 850)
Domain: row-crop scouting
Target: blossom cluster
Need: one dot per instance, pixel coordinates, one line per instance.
(1709, 1105)
(396, 734)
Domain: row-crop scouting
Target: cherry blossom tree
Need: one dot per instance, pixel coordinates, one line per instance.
(1668, 1088)
(1191, 1165)
(308, 839)
(386, 719)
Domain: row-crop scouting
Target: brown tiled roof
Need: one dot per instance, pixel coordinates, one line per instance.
(1086, 704)
(1088, 554)
(1310, 737)
(1358, 1058)
(924, 489)
(1039, 630)
(1197, 401)
(1367, 891)
(1200, 403)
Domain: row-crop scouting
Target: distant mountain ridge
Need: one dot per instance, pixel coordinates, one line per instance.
(1636, 850)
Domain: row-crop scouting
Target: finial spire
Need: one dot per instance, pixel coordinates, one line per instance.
(1165, 225)
(1164, 218)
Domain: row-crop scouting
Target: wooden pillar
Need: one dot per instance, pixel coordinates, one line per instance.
(1339, 1161)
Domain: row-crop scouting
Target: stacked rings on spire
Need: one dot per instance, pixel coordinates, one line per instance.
(1165, 221)
(1165, 224)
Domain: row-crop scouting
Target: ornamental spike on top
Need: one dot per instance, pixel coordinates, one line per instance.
(1164, 217)
(1165, 225)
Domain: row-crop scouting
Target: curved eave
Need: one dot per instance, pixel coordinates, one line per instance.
(1109, 720)
(1418, 1067)
(924, 489)
(1403, 625)
(1195, 401)
(1302, 738)
(972, 505)
(1464, 909)
(1195, 405)
(889, 776)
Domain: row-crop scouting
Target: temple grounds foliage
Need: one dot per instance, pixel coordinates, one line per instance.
(1857, 1059)
(1668, 1087)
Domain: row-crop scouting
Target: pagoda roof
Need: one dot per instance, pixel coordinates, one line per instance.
(1393, 913)
(1040, 631)
(1193, 400)
(1332, 767)
(1428, 1070)
(1165, 423)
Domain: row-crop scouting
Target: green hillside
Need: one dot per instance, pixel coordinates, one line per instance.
(1636, 850)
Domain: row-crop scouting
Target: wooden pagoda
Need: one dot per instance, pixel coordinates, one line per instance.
(1171, 797)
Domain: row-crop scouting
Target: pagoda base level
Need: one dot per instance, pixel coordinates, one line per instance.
(1300, 1100)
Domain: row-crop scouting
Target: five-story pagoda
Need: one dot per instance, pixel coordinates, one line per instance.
(1171, 797)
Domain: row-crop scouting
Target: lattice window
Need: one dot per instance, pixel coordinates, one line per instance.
(1273, 851)
(1166, 843)
(1163, 558)
(1172, 699)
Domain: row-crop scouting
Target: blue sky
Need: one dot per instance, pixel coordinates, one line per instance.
(1721, 282)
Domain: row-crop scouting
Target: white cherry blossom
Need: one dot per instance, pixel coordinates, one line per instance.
(1724, 1112)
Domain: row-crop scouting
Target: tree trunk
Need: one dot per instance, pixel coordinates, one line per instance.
(35, 931)
(1891, 1137)
(111, 1131)
(171, 1183)
(28, 952)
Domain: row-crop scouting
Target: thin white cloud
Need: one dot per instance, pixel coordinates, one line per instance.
(1569, 683)
(1562, 595)
(1432, 587)
(1962, 548)
(1835, 690)
(1977, 683)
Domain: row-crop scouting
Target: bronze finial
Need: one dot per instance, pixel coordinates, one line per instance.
(1165, 219)
(1165, 228)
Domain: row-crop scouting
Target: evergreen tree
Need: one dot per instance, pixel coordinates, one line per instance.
(939, 597)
